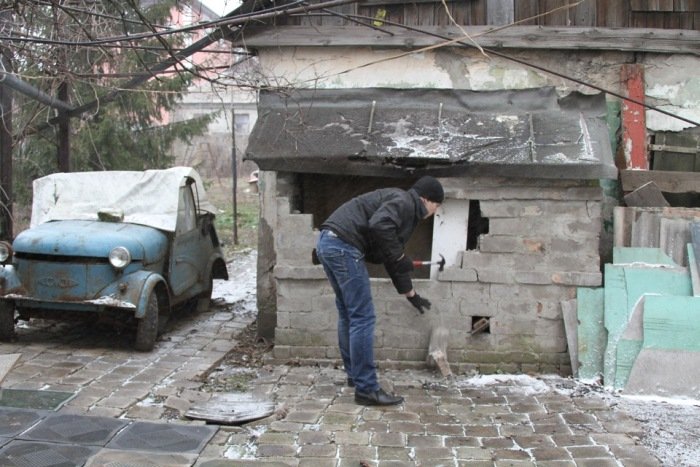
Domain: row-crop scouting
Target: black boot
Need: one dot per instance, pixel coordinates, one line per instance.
(379, 397)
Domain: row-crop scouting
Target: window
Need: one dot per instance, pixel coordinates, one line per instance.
(186, 211)
(242, 123)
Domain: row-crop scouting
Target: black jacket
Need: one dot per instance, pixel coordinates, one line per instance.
(379, 224)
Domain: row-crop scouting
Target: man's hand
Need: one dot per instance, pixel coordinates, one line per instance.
(419, 303)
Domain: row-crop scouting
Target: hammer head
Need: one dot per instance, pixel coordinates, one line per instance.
(441, 263)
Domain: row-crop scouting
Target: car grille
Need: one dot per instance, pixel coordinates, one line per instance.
(63, 281)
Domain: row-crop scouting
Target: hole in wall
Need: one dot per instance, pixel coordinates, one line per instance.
(481, 325)
(321, 194)
(476, 225)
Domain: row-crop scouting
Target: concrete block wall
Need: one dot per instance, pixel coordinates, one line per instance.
(542, 243)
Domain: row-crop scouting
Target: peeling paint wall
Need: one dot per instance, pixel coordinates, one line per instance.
(451, 68)
(672, 83)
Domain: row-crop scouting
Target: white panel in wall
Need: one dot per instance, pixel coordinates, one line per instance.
(450, 232)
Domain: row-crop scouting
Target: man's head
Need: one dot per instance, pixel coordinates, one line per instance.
(429, 189)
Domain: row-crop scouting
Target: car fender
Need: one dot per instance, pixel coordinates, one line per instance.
(152, 281)
(217, 265)
(134, 289)
(9, 280)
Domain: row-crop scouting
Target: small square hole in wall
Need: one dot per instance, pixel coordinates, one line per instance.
(480, 325)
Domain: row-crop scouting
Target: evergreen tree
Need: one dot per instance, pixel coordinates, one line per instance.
(76, 44)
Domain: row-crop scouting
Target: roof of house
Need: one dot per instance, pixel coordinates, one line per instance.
(393, 132)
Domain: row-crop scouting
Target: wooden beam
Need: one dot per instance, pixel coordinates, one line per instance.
(517, 37)
(6, 196)
(634, 134)
(667, 181)
(499, 12)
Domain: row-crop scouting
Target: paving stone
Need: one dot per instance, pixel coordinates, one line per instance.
(314, 437)
(439, 424)
(318, 450)
(394, 454)
(354, 437)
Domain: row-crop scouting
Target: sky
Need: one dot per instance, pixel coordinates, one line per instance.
(221, 7)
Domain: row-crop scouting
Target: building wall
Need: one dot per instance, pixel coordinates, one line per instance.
(542, 244)
(545, 235)
(211, 152)
(671, 81)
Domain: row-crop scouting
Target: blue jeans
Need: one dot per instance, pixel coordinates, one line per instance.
(346, 270)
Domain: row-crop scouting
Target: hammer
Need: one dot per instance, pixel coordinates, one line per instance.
(440, 263)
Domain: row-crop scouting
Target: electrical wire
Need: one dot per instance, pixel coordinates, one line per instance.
(450, 41)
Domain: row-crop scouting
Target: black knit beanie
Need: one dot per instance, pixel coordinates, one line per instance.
(429, 188)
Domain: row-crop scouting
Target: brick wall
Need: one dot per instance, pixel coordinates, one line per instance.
(543, 242)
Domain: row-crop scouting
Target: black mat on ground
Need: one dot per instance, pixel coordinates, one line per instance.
(162, 437)
(34, 454)
(15, 421)
(30, 399)
(76, 429)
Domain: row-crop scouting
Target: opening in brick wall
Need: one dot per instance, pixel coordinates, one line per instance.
(480, 325)
(476, 225)
(321, 194)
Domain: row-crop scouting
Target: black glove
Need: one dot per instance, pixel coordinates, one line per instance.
(419, 302)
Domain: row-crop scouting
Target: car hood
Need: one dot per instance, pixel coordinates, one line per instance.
(92, 239)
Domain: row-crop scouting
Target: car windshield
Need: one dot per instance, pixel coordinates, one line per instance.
(148, 198)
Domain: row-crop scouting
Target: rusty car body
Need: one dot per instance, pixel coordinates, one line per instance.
(125, 245)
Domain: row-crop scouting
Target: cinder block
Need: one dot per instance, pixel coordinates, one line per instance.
(287, 270)
(313, 321)
(495, 276)
(315, 352)
(579, 279)
(458, 275)
(533, 277)
(506, 244)
(280, 351)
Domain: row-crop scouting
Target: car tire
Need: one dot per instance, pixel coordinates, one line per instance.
(7, 322)
(147, 327)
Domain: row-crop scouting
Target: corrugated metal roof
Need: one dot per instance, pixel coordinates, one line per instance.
(391, 132)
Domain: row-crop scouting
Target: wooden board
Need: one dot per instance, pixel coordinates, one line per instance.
(646, 196)
(591, 334)
(519, 37)
(667, 181)
(694, 257)
(624, 286)
(569, 312)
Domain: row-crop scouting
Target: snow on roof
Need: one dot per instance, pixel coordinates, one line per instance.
(446, 132)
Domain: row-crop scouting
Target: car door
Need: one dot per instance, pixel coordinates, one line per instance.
(189, 257)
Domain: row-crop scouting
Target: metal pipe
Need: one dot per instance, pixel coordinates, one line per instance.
(11, 81)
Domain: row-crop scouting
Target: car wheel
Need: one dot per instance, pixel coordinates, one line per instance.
(204, 298)
(7, 322)
(147, 327)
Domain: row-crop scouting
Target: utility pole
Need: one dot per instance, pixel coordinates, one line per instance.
(234, 170)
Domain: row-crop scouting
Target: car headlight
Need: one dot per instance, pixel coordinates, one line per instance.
(5, 251)
(119, 257)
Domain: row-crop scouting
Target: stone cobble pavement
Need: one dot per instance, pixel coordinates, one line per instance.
(478, 421)
(505, 422)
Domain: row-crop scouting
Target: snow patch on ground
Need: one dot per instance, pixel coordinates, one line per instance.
(671, 426)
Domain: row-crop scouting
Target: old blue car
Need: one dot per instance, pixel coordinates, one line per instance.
(126, 245)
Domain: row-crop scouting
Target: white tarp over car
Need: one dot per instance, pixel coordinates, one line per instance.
(146, 198)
